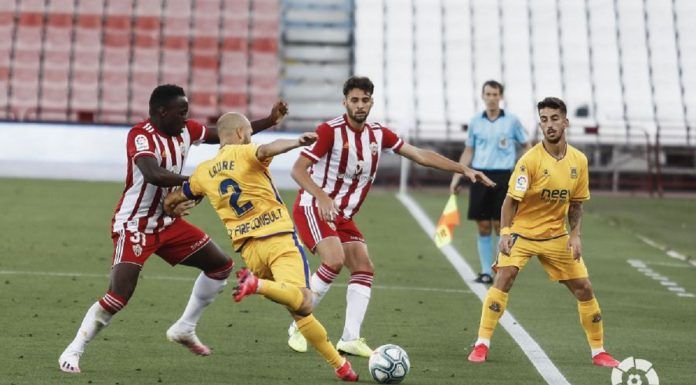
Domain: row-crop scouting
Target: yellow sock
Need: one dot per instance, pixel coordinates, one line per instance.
(314, 332)
(493, 308)
(282, 293)
(591, 321)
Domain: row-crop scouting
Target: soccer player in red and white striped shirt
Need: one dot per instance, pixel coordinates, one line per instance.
(156, 151)
(335, 176)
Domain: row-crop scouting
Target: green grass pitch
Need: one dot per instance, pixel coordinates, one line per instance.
(55, 252)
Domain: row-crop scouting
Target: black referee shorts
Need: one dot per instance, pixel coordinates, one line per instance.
(485, 202)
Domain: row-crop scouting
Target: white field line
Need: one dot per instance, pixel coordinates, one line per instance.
(529, 346)
(671, 253)
(192, 279)
(664, 281)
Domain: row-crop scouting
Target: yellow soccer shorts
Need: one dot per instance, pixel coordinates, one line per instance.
(555, 257)
(279, 258)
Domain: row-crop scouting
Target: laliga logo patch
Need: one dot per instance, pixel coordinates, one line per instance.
(141, 143)
(521, 183)
(573, 173)
(374, 148)
(634, 372)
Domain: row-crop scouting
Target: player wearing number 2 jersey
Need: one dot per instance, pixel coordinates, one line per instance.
(238, 185)
(157, 150)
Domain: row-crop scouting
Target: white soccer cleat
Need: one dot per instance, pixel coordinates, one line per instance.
(187, 337)
(69, 361)
(355, 347)
(296, 340)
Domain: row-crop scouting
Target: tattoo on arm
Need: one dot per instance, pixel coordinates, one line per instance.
(575, 215)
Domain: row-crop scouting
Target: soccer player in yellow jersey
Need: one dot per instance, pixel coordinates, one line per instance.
(238, 185)
(549, 182)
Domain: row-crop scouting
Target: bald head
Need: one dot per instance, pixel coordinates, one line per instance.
(234, 128)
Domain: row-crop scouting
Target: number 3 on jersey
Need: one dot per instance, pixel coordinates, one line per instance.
(225, 185)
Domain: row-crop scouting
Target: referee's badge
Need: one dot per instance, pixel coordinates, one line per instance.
(573, 173)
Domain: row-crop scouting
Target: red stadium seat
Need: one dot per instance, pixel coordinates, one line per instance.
(234, 102)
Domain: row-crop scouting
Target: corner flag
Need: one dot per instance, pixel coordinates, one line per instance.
(448, 220)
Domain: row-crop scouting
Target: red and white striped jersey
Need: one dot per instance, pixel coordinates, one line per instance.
(140, 206)
(345, 162)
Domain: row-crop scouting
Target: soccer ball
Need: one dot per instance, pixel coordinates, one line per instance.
(389, 364)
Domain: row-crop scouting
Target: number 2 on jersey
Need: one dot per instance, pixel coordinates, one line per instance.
(234, 199)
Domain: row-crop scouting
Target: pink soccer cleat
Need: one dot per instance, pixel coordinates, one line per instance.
(247, 283)
(186, 336)
(479, 354)
(346, 373)
(605, 359)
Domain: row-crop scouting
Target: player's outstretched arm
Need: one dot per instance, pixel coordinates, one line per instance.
(326, 206)
(432, 159)
(280, 146)
(154, 174)
(465, 160)
(278, 113)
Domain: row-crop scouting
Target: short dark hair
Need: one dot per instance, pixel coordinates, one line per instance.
(494, 84)
(553, 103)
(165, 93)
(360, 82)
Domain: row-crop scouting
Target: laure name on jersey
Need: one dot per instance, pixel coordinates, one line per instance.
(256, 222)
(221, 166)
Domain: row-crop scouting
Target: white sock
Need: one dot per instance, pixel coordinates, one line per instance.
(319, 285)
(597, 351)
(95, 320)
(204, 292)
(357, 299)
(484, 341)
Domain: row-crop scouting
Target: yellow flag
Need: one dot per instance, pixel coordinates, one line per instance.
(448, 220)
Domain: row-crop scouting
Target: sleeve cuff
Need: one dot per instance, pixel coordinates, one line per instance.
(143, 153)
(186, 189)
(309, 156)
(398, 145)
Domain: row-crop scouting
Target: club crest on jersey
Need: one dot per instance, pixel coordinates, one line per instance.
(359, 167)
(137, 250)
(374, 148)
(332, 226)
(573, 173)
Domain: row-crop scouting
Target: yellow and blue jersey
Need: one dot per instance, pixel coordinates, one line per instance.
(544, 187)
(241, 191)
